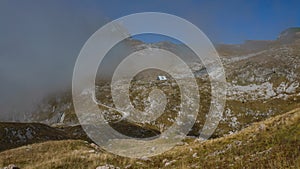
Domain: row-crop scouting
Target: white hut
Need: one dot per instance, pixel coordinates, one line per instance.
(161, 78)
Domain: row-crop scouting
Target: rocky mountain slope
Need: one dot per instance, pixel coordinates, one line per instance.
(263, 82)
(262, 77)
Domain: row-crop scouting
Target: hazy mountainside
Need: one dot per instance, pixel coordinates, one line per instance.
(262, 77)
(273, 143)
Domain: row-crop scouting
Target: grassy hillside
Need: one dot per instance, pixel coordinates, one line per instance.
(273, 143)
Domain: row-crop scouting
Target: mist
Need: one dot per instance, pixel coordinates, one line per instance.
(40, 40)
(39, 44)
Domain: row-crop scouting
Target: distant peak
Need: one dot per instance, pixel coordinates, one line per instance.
(290, 34)
(292, 29)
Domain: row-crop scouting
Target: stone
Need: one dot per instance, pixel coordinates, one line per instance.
(11, 166)
(107, 166)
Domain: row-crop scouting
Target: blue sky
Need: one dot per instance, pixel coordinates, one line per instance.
(230, 21)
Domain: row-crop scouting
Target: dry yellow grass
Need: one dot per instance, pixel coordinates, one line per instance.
(273, 143)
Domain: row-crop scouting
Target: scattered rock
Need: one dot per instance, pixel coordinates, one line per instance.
(92, 151)
(169, 163)
(94, 145)
(139, 163)
(180, 144)
(145, 158)
(236, 158)
(262, 127)
(195, 155)
(128, 166)
(107, 166)
(165, 160)
(11, 166)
